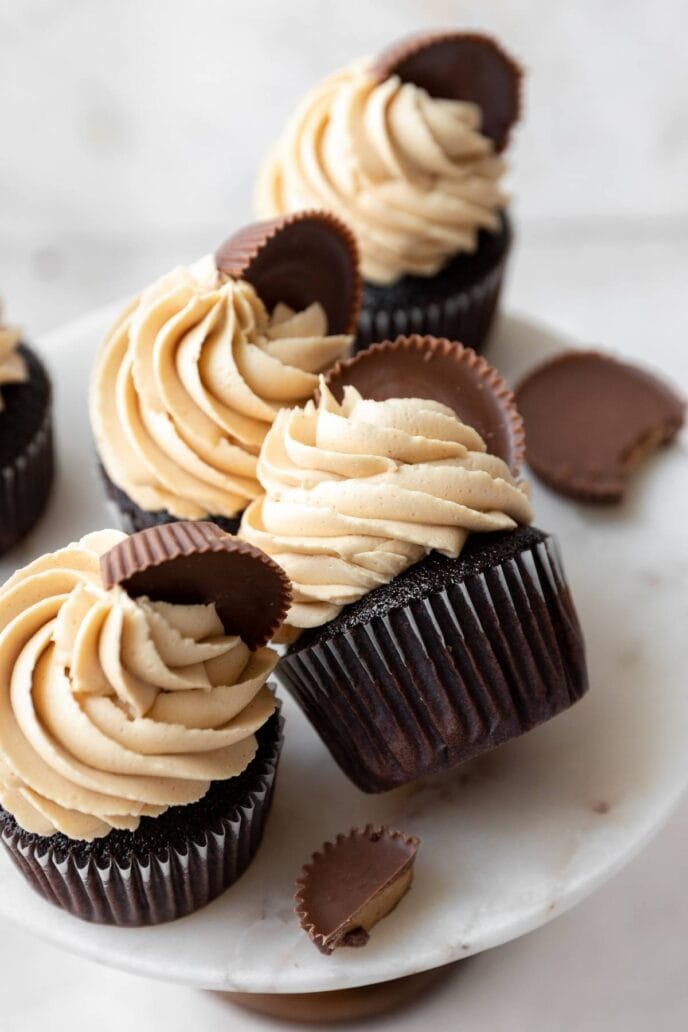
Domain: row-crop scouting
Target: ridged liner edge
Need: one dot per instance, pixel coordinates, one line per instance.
(491, 377)
(465, 315)
(170, 884)
(249, 242)
(440, 680)
(166, 542)
(387, 62)
(367, 832)
(25, 484)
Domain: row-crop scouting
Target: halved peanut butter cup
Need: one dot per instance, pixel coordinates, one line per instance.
(298, 259)
(197, 563)
(592, 420)
(437, 369)
(352, 883)
(460, 66)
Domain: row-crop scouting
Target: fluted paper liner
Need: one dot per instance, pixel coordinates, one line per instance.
(297, 259)
(467, 66)
(437, 681)
(438, 369)
(173, 879)
(132, 518)
(450, 305)
(194, 561)
(326, 941)
(26, 478)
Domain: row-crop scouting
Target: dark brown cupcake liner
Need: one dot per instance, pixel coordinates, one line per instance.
(443, 678)
(443, 370)
(173, 878)
(26, 477)
(132, 518)
(457, 310)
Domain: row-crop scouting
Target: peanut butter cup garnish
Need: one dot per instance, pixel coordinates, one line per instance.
(591, 421)
(436, 369)
(197, 563)
(461, 66)
(352, 883)
(296, 260)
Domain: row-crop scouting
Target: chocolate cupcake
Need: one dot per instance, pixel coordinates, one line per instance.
(435, 622)
(190, 378)
(26, 437)
(139, 743)
(406, 148)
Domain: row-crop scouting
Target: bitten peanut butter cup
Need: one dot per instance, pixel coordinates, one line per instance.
(352, 883)
(591, 421)
(197, 563)
(461, 66)
(436, 369)
(298, 259)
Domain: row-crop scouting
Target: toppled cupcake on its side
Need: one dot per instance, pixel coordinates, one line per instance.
(436, 623)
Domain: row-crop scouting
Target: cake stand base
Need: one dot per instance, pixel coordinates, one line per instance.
(341, 1004)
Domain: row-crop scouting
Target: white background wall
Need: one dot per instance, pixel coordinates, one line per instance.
(131, 131)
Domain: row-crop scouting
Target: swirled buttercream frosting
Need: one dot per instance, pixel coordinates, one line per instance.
(189, 381)
(113, 708)
(12, 365)
(411, 174)
(357, 492)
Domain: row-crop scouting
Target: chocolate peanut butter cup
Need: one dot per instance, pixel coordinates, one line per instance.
(439, 370)
(465, 66)
(353, 883)
(296, 260)
(447, 660)
(181, 857)
(592, 420)
(195, 562)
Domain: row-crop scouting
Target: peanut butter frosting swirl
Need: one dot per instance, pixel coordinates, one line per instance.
(12, 365)
(359, 491)
(411, 174)
(188, 382)
(112, 709)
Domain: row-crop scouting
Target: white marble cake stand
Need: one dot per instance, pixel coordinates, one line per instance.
(509, 841)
